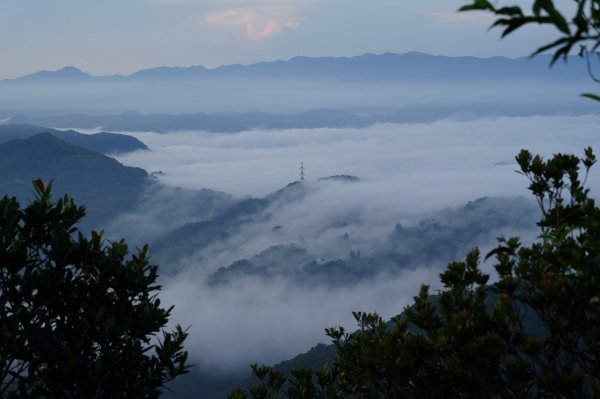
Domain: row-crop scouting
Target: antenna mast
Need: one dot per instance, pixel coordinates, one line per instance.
(302, 171)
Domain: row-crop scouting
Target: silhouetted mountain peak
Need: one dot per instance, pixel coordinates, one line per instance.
(103, 143)
(70, 70)
(45, 138)
(102, 184)
(342, 178)
(66, 73)
(45, 146)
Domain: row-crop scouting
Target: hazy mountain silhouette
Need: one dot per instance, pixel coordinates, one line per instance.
(233, 122)
(66, 74)
(498, 84)
(103, 143)
(102, 184)
(366, 67)
(440, 239)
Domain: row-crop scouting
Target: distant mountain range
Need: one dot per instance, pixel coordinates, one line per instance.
(385, 81)
(366, 67)
(234, 122)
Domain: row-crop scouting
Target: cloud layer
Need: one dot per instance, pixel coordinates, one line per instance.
(427, 165)
(406, 171)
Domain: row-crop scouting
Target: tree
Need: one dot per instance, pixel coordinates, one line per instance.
(582, 29)
(79, 317)
(532, 333)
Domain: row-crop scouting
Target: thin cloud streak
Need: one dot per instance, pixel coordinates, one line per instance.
(254, 25)
(472, 18)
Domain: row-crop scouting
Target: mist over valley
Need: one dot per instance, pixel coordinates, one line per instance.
(424, 194)
(278, 195)
(243, 243)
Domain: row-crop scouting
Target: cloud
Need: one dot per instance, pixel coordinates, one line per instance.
(463, 18)
(171, 2)
(408, 171)
(440, 163)
(163, 208)
(267, 321)
(254, 25)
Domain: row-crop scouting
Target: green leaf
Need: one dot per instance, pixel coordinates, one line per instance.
(594, 97)
(478, 5)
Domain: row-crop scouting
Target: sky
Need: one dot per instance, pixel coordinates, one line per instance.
(123, 36)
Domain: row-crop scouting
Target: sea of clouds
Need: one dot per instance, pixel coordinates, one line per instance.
(406, 172)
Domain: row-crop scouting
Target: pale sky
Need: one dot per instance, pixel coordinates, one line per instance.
(123, 36)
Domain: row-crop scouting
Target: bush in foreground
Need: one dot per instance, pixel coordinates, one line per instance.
(79, 317)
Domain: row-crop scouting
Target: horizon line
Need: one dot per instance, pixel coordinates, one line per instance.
(82, 71)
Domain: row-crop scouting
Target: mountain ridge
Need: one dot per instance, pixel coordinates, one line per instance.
(102, 184)
(102, 143)
(302, 83)
(395, 60)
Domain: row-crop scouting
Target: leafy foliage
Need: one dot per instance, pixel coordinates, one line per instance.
(582, 29)
(532, 333)
(78, 317)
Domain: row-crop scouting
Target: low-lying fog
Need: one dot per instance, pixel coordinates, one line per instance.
(407, 172)
(437, 164)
